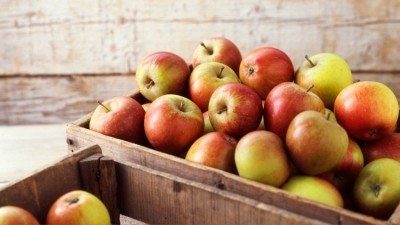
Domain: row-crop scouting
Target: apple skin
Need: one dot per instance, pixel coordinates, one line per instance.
(314, 188)
(78, 207)
(162, 73)
(235, 109)
(346, 171)
(205, 78)
(376, 191)
(172, 123)
(120, 117)
(329, 74)
(13, 215)
(314, 143)
(260, 156)
(284, 102)
(214, 149)
(385, 147)
(264, 68)
(217, 49)
(207, 123)
(368, 110)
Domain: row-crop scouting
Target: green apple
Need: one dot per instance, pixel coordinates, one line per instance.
(328, 72)
(315, 144)
(162, 73)
(205, 78)
(260, 156)
(376, 191)
(314, 188)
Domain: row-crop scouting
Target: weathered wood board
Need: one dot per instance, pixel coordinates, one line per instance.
(58, 58)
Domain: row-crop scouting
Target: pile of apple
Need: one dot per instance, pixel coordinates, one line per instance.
(73, 207)
(310, 131)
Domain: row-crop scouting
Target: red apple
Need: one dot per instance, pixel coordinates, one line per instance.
(385, 147)
(376, 191)
(214, 149)
(260, 156)
(264, 68)
(78, 207)
(235, 109)
(315, 144)
(284, 102)
(15, 215)
(162, 73)
(368, 110)
(205, 78)
(120, 117)
(172, 123)
(217, 49)
(346, 171)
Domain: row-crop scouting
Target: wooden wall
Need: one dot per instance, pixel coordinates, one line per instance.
(57, 58)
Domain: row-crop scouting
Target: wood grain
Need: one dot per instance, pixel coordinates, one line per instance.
(102, 37)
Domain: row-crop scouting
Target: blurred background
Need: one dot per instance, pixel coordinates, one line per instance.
(57, 58)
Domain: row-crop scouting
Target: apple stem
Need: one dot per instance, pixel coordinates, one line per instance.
(309, 60)
(328, 116)
(208, 50)
(151, 83)
(220, 72)
(104, 106)
(309, 88)
(181, 106)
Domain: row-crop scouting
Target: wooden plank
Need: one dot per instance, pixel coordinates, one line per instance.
(57, 99)
(124, 151)
(99, 178)
(64, 98)
(39, 190)
(86, 37)
(160, 198)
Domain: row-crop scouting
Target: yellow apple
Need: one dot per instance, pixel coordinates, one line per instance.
(328, 72)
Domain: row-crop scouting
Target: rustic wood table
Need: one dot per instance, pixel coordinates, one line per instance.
(27, 148)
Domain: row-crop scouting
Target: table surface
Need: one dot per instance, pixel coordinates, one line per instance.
(25, 149)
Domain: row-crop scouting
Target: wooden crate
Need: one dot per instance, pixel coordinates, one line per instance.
(260, 195)
(135, 194)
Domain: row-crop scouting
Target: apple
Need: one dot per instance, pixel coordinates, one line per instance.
(162, 73)
(330, 115)
(368, 110)
(205, 78)
(13, 215)
(346, 171)
(284, 102)
(146, 106)
(265, 67)
(207, 123)
(385, 147)
(214, 149)
(78, 207)
(120, 117)
(217, 49)
(260, 156)
(172, 123)
(314, 188)
(314, 143)
(376, 191)
(328, 72)
(235, 109)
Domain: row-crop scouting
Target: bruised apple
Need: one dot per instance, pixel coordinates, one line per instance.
(214, 149)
